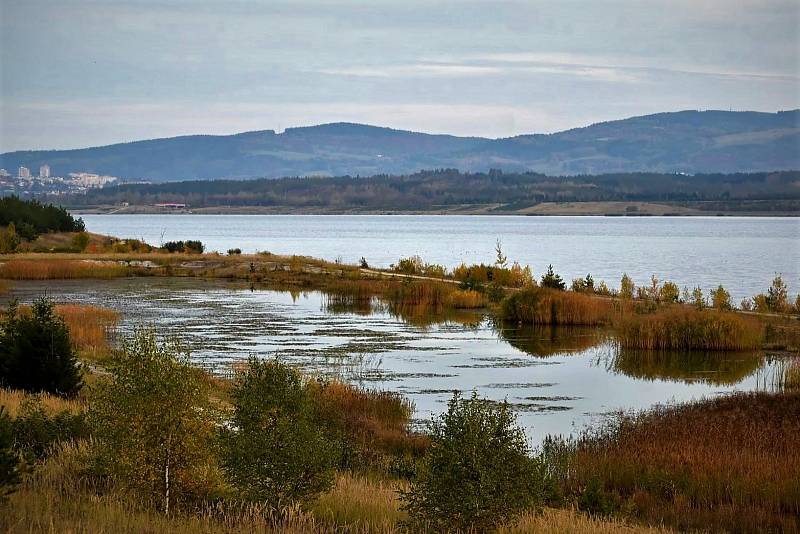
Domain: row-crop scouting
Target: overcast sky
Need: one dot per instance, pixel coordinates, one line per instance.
(82, 73)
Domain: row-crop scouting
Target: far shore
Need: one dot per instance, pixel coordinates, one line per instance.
(609, 209)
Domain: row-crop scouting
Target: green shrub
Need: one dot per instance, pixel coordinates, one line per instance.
(154, 423)
(274, 452)
(234, 251)
(80, 241)
(36, 353)
(477, 472)
(35, 431)
(9, 240)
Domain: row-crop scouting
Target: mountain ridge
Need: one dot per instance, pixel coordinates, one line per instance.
(684, 141)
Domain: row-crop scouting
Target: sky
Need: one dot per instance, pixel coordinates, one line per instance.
(87, 73)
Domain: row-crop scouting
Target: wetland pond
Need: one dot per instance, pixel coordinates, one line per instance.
(558, 379)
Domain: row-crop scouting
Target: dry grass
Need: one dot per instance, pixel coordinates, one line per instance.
(63, 497)
(91, 328)
(683, 328)
(790, 379)
(13, 400)
(356, 503)
(4, 287)
(46, 269)
(557, 521)
(541, 306)
(730, 463)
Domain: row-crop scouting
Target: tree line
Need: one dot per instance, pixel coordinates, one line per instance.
(436, 189)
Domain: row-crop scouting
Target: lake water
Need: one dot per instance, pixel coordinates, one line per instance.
(741, 253)
(559, 380)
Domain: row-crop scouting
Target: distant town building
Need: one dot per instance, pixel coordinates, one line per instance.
(171, 205)
(44, 171)
(24, 172)
(4, 173)
(87, 179)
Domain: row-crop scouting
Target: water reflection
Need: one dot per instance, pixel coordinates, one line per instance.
(543, 341)
(717, 368)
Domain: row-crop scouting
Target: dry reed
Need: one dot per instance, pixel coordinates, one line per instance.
(13, 400)
(542, 306)
(682, 328)
(729, 463)
(54, 269)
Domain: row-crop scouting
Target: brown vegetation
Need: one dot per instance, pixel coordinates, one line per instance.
(683, 328)
(60, 269)
(729, 463)
(543, 306)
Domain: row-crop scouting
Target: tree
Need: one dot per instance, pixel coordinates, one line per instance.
(698, 300)
(721, 299)
(9, 240)
(36, 353)
(275, 452)
(501, 261)
(778, 295)
(154, 423)
(477, 471)
(626, 287)
(669, 292)
(552, 280)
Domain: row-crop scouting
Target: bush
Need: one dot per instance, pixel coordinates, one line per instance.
(721, 299)
(538, 305)
(477, 472)
(234, 251)
(274, 452)
(80, 241)
(35, 431)
(154, 423)
(9, 240)
(36, 353)
(190, 247)
(626, 287)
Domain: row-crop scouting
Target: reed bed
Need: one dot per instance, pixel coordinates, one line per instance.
(790, 379)
(466, 299)
(560, 521)
(91, 328)
(726, 464)
(683, 328)
(542, 306)
(56, 269)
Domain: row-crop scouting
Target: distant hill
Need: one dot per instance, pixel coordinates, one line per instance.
(686, 141)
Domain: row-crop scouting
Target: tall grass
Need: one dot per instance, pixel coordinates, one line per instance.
(51, 269)
(729, 463)
(91, 328)
(683, 328)
(13, 400)
(542, 306)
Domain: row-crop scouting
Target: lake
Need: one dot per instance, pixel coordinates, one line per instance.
(557, 379)
(741, 253)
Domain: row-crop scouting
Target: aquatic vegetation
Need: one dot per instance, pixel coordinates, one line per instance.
(728, 463)
(544, 306)
(682, 328)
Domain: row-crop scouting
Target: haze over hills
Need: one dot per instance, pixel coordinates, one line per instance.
(687, 141)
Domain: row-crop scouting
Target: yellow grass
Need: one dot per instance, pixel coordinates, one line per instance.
(13, 399)
(556, 521)
(466, 299)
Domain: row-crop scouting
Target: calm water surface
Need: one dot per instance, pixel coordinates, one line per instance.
(741, 253)
(558, 379)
